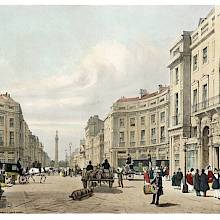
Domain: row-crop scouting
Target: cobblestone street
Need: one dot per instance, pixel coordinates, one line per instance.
(53, 197)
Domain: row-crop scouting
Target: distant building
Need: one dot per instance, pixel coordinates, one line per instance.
(16, 139)
(93, 144)
(138, 126)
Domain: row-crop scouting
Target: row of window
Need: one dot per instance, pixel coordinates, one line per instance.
(11, 121)
(195, 63)
(204, 58)
(204, 97)
(11, 137)
(153, 135)
(10, 107)
(132, 120)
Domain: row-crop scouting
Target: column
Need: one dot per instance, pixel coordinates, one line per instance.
(199, 143)
(211, 151)
(171, 156)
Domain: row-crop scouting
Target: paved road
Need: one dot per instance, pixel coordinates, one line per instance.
(53, 197)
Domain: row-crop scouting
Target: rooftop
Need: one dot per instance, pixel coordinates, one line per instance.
(146, 95)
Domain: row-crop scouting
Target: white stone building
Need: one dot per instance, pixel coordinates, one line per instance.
(197, 87)
(138, 126)
(16, 140)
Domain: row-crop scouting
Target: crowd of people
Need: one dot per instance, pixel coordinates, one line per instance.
(199, 181)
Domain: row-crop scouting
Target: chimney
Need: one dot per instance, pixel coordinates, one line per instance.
(160, 87)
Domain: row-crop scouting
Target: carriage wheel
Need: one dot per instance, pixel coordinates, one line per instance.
(84, 184)
(73, 196)
(110, 184)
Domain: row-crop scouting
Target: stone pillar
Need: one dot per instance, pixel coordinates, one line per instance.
(199, 143)
(211, 150)
(172, 168)
(56, 149)
(182, 153)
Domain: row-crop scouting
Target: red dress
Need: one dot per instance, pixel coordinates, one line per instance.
(147, 177)
(210, 176)
(189, 178)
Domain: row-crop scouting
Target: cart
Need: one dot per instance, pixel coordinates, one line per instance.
(11, 172)
(93, 178)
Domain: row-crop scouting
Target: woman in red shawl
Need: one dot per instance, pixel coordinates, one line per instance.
(146, 177)
(146, 182)
(210, 177)
(189, 180)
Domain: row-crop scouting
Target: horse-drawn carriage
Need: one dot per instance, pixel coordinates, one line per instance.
(10, 172)
(94, 177)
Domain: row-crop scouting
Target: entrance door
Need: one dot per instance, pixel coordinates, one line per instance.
(216, 161)
(205, 147)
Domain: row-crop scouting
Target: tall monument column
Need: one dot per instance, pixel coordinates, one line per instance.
(56, 149)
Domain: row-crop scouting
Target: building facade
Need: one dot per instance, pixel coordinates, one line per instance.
(205, 91)
(94, 139)
(138, 126)
(195, 83)
(16, 139)
(180, 97)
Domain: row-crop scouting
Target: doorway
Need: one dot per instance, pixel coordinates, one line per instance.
(205, 147)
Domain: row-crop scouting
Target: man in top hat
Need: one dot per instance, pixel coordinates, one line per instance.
(158, 188)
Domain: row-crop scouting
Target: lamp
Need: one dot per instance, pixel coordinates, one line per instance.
(185, 186)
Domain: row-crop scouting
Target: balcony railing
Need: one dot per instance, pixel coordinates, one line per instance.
(153, 141)
(176, 120)
(132, 144)
(142, 143)
(206, 104)
(121, 144)
(162, 139)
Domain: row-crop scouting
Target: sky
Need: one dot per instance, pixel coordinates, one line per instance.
(64, 64)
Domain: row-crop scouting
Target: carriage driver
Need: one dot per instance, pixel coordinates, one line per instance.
(106, 165)
(90, 166)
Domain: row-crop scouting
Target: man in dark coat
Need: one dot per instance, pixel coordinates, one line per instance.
(204, 183)
(157, 183)
(174, 179)
(179, 177)
(19, 166)
(90, 166)
(128, 159)
(106, 165)
(196, 182)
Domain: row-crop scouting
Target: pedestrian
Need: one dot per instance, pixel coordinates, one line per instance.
(179, 177)
(215, 184)
(210, 176)
(151, 174)
(146, 182)
(204, 186)
(120, 177)
(174, 179)
(196, 183)
(189, 180)
(157, 184)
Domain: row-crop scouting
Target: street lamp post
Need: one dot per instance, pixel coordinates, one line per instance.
(185, 186)
(66, 157)
(70, 146)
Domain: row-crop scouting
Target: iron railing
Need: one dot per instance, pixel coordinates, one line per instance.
(176, 119)
(206, 104)
(142, 143)
(162, 139)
